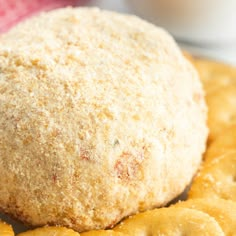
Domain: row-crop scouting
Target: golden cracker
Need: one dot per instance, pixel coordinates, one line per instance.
(216, 179)
(221, 110)
(222, 144)
(223, 211)
(50, 231)
(103, 233)
(6, 229)
(219, 82)
(169, 222)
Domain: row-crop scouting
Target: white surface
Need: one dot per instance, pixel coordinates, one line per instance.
(224, 52)
(199, 21)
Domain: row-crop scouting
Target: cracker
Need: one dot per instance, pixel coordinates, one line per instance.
(223, 143)
(170, 221)
(103, 233)
(219, 82)
(216, 179)
(221, 110)
(6, 229)
(214, 75)
(223, 211)
(50, 231)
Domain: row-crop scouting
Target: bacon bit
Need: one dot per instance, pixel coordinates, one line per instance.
(54, 178)
(144, 148)
(28, 140)
(121, 170)
(128, 165)
(55, 132)
(197, 97)
(15, 121)
(84, 154)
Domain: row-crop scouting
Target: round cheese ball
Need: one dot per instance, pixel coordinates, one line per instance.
(101, 117)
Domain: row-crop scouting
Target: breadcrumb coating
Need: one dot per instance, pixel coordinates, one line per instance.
(101, 117)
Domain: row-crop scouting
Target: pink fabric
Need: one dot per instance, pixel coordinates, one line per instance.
(13, 11)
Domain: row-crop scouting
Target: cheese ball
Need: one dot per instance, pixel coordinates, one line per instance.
(101, 117)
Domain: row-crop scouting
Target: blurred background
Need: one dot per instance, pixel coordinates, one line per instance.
(206, 28)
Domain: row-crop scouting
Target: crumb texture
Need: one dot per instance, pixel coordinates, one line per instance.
(101, 116)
